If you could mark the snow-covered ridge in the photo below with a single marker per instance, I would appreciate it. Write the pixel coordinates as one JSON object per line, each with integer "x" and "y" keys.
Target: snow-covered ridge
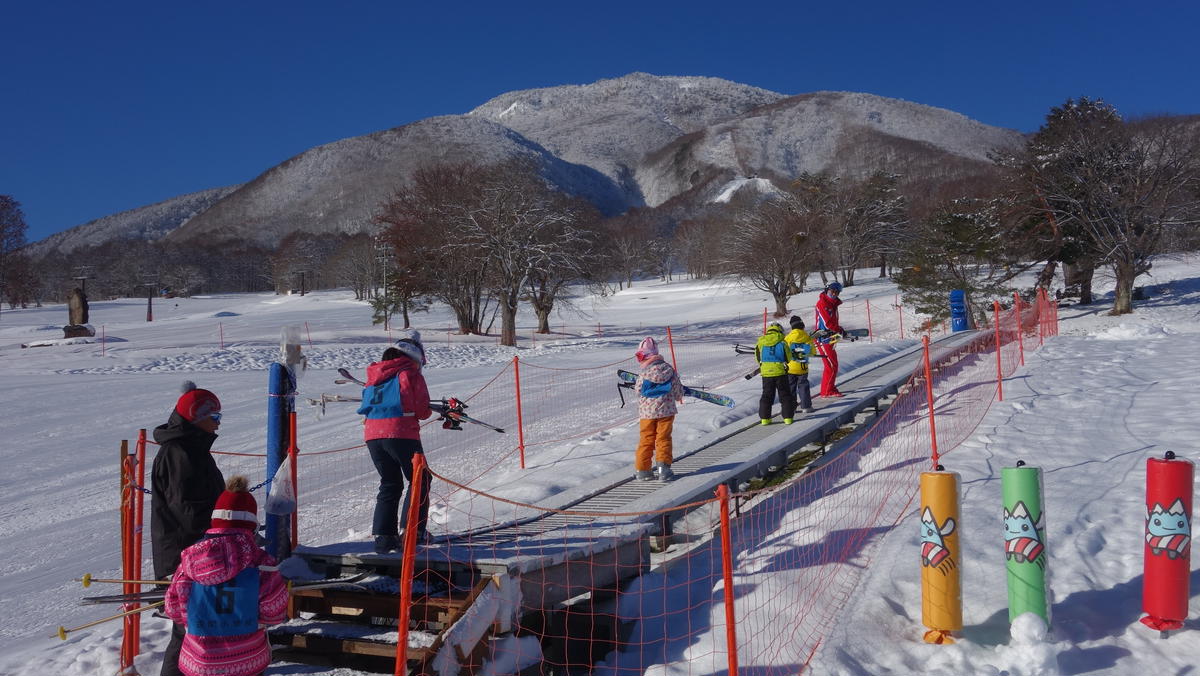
{"x": 635, "y": 140}
{"x": 146, "y": 223}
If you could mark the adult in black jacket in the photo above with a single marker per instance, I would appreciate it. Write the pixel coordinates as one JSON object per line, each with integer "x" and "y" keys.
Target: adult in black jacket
{"x": 185, "y": 484}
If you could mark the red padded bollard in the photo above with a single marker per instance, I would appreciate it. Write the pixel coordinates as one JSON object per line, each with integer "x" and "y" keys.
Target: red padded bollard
{"x": 1169, "y": 486}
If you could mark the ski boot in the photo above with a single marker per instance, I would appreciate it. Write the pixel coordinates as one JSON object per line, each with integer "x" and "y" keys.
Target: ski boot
{"x": 386, "y": 543}
{"x": 663, "y": 472}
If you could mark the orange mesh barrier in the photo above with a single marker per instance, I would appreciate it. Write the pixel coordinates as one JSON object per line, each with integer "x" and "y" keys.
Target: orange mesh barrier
{"x": 752, "y": 581}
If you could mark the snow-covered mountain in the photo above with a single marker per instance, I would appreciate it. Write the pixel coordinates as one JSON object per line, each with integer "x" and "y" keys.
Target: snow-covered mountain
{"x": 147, "y": 223}
{"x": 630, "y": 141}
{"x": 612, "y": 125}
{"x": 843, "y": 132}
{"x": 338, "y": 187}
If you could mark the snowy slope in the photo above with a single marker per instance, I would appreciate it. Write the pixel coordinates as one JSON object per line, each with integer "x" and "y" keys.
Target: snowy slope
{"x": 1089, "y": 408}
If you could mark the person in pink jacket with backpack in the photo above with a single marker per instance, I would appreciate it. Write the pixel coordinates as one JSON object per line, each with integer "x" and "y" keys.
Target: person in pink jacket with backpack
{"x": 225, "y": 590}
{"x": 395, "y": 400}
{"x": 659, "y": 390}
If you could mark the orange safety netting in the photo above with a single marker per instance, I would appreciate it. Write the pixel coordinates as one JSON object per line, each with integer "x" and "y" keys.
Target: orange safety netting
{"x": 752, "y": 581}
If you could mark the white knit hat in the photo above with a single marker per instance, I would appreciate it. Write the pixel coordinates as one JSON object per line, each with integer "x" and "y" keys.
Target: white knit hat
{"x": 409, "y": 342}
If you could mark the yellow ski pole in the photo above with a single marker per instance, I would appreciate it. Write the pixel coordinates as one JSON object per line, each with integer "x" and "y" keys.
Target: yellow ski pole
{"x": 63, "y": 631}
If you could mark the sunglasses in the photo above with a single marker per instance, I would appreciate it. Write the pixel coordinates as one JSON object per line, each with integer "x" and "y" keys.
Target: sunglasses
{"x": 216, "y": 417}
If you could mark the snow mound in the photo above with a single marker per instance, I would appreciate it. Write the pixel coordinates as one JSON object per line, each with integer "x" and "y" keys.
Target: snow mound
{"x": 1124, "y": 331}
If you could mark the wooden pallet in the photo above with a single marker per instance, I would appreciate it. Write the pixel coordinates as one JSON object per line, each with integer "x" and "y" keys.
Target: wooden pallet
{"x": 356, "y": 629}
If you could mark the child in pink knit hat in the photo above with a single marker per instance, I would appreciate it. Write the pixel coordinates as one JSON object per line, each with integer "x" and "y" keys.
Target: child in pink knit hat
{"x": 658, "y": 389}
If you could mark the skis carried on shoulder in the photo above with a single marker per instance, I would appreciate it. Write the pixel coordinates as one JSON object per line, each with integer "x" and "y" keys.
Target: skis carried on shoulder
{"x": 452, "y": 411}
{"x": 319, "y": 404}
{"x": 153, "y": 595}
{"x": 148, "y": 596}
{"x": 347, "y": 377}
{"x": 452, "y": 416}
{"x": 628, "y": 378}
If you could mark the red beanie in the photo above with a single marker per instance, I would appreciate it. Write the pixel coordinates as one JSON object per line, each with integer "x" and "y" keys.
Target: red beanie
{"x": 195, "y": 403}
{"x": 235, "y": 508}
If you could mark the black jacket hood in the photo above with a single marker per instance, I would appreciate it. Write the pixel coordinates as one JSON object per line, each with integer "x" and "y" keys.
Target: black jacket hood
{"x": 177, "y": 428}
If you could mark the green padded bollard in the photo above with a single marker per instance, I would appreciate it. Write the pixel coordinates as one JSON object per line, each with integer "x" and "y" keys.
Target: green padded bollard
{"x": 1024, "y": 541}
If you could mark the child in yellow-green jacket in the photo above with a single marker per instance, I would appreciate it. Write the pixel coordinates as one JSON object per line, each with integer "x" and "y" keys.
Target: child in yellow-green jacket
{"x": 774, "y": 359}
{"x": 802, "y": 345}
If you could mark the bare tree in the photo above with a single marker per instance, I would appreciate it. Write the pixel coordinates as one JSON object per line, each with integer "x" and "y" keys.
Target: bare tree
{"x": 1122, "y": 188}
{"x": 771, "y": 246}
{"x": 866, "y": 219}
{"x": 12, "y": 237}
{"x": 521, "y": 225}
{"x": 547, "y": 279}
{"x": 698, "y": 242}
{"x": 352, "y": 264}
{"x": 423, "y": 223}
{"x": 20, "y": 281}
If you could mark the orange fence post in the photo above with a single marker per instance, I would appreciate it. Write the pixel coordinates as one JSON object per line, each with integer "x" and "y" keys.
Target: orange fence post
{"x": 126, "y": 507}
{"x": 139, "y": 502}
{"x": 408, "y": 566}
{"x": 929, "y": 399}
{"x": 870, "y": 331}
{"x": 1041, "y": 315}
{"x": 671, "y": 343}
{"x": 999, "y": 366}
{"x": 727, "y": 575}
{"x": 520, "y": 419}
{"x": 764, "y": 321}
{"x": 293, "y": 453}
{"x": 221, "y": 331}
{"x": 1020, "y": 331}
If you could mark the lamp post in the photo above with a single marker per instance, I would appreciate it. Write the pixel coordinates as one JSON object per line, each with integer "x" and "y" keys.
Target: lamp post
{"x": 151, "y": 283}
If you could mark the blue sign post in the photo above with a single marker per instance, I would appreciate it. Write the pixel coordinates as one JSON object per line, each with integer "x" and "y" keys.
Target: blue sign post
{"x": 960, "y": 318}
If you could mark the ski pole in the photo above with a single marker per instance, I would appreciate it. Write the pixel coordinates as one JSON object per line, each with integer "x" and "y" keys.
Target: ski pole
{"x": 87, "y": 581}
{"x": 63, "y": 631}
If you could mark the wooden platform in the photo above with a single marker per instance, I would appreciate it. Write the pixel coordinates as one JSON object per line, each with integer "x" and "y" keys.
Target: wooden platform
{"x": 356, "y": 628}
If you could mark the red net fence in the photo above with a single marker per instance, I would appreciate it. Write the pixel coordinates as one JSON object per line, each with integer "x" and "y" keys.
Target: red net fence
{"x": 751, "y": 581}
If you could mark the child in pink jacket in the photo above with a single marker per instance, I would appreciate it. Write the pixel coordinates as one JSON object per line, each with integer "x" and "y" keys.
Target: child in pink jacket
{"x": 222, "y": 594}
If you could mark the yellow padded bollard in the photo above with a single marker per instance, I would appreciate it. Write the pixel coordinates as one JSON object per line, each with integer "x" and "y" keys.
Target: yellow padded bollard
{"x": 941, "y": 585}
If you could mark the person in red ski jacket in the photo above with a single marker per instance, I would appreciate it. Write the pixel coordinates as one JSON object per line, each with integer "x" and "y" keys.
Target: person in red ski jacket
{"x": 395, "y": 400}
{"x": 830, "y": 329}
{"x": 225, "y": 591}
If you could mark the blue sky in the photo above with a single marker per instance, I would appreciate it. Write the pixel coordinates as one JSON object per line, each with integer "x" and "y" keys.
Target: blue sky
{"x": 111, "y": 106}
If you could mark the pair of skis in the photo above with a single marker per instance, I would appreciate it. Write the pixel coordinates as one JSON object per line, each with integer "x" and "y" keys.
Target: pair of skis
{"x": 451, "y": 410}
{"x": 155, "y": 595}
{"x": 820, "y": 334}
{"x": 749, "y": 349}
{"x": 628, "y": 378}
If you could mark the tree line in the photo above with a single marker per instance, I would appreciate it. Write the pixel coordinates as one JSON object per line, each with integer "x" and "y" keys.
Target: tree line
{"x": 1088, "y": 191}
